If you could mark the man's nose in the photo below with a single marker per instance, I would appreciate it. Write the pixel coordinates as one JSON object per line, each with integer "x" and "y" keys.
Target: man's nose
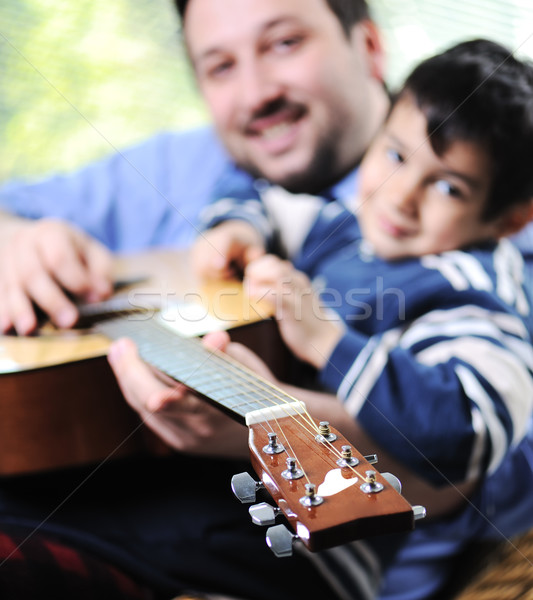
{"x": 258, "y": 87}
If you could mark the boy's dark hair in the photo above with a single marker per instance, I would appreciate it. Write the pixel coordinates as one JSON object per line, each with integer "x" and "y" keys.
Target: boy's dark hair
{"x": 349, "y": 12}
{"x": 478, "y": 91}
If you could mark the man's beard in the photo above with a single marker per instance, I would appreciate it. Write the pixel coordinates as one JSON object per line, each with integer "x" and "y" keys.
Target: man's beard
{"x": 323, "y": 170}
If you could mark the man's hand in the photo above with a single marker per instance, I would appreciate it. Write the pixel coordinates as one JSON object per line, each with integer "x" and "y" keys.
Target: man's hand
{"x": 178, "y": 417}
{"x": 224, "y": 251}
{"x": 47, "y": 264}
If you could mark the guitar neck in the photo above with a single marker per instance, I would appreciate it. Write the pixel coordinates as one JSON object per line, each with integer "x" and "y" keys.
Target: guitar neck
{"x": 211, "y": 374}
{"x": 348, "y": 505}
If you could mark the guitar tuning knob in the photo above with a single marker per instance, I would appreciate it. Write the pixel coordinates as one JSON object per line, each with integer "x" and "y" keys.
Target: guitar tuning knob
{"x": 245, "y": 487}
{"x": 393, "y": 481}
{"x": 263, "y": 513}
{"x": 292, "y": 471}
{"x": 311, "y": 498}
{"x": 280, "y": 540}
{"x": 273, "y": 446}
{"x": 419, "y": 512}
{"x": 324, "y": 433}
{"x": 371, "y": 459}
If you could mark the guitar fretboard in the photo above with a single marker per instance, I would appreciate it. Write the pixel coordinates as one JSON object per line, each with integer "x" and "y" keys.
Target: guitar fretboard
{"x": 212, "y": 374}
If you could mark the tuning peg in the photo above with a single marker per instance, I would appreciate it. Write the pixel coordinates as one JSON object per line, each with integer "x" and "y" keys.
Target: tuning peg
{"x": 419, "y": 512}
{"x": 280, "y": 540}
{"x": 394, "y": 481}
{"x": 245, "y": 487}
{"x": 324, "y": 433}
{"x": 273, "y": 446}
{"x": 371, "y": 459}
{"x": 292, "y": 471}
{"x": 371, "y": 485}
{"x": 347, "y": 459}
{"x": 311, "y": 498}
{"x": 263, "y": 513}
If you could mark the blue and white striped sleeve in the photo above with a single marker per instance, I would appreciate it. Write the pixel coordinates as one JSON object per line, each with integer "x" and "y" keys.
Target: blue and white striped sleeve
{"x": 250, "y": 210}
{"x": 238, "y": 196}
{"x": 450, "y": 390}
{"x": 448, "y": 396}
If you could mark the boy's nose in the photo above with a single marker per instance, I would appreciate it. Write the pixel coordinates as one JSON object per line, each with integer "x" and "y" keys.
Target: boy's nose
{"x": 405, "y": 191}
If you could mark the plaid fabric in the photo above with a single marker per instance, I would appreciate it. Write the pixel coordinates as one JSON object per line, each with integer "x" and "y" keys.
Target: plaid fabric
{"x": 44, "y": 567}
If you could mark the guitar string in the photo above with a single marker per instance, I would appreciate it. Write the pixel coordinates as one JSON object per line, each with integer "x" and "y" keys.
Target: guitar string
{"x": 280, "y": 395}
{"x": 254, "y": 382}
{"x": 251, "y": 380}
{"x": 119, "y": 320}
{"x": 254, "y": 401}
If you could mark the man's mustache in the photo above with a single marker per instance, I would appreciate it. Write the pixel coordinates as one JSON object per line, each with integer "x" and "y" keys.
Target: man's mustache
{"x": 294, "y": 109}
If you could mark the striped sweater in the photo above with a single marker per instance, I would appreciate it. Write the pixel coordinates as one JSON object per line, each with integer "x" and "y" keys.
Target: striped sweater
{"x": 436, "y": 362}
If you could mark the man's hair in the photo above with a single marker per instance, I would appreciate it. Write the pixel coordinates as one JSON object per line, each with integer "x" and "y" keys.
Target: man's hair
{"x": 349, "y": 12}
{"x": 477, "y": 91}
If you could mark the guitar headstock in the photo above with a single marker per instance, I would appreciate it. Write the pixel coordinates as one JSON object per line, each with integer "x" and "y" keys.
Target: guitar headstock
{"x": 329, "y": 493}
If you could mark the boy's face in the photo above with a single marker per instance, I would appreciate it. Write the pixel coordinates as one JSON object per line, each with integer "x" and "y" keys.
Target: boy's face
{"x": 291, "y": 96}
{"x": 413, "y": 202}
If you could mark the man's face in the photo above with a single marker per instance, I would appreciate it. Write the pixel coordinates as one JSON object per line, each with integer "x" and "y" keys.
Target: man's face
{"x": 413, "y": 202}
{"x": 290, "y": 95}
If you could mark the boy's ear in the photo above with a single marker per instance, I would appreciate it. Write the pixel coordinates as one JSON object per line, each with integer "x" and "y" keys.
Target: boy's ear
{"x": 517, "y": 218}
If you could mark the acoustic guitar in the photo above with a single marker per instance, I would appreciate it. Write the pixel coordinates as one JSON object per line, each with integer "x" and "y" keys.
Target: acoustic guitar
{"x": 60, "y": 405}
{"x": 329, "y": 493}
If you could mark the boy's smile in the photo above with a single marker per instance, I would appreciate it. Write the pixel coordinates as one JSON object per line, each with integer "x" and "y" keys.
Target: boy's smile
{"x": 412, "y": 201}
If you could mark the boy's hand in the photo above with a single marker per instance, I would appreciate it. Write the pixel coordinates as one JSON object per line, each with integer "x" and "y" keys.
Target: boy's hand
{"x": 45, "y": 264}
{"x": 310, "y": 330}
{"x": 224, "y": 251}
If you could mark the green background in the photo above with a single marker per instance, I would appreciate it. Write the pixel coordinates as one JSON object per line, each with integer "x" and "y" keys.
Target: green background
{"x": 81, "y": 78}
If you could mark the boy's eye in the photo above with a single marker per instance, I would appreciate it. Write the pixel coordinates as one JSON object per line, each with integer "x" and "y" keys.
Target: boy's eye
{"x": 394, "y": 156}
{"x": 448, "y": 189}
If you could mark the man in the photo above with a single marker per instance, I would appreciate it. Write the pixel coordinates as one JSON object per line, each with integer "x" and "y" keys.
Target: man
{"x": 290, "y": 127}
{"x": 279, "y": 76}
{"x": 307, "y": 70}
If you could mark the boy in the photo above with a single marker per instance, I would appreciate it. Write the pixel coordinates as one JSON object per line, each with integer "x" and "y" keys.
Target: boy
{"x": 432, "y": 351}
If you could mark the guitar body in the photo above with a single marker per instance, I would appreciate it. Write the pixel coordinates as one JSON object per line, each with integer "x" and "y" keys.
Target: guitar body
{"x": 63, "y": 415}
{"x": 60, "y": 404}
{"x": 70, "y": 411}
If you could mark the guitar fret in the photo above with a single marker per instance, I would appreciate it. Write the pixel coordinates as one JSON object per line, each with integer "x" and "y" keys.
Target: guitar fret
{"x": 187, "y": 361}
{"x": 250, "y": 406}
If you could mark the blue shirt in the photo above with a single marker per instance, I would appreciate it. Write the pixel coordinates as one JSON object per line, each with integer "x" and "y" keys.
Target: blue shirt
{"x": 148, "y": 195}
